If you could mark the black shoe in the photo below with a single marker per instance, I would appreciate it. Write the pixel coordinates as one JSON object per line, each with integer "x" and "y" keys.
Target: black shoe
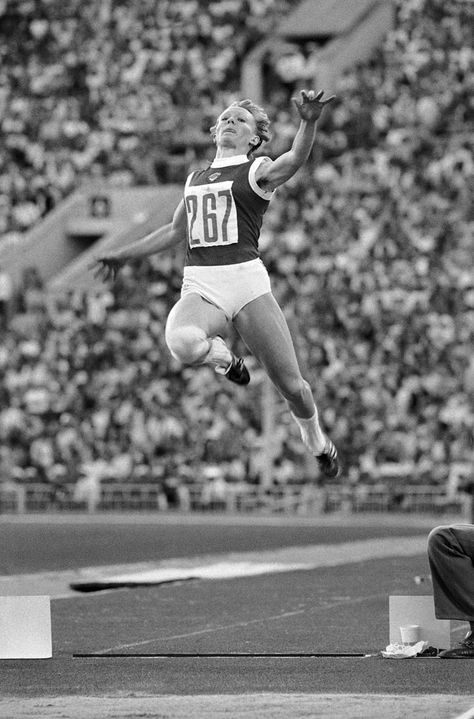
{"x": 464, "y": 650}
{"x": 328, "y": 461}
{"x": 237, "y": 371}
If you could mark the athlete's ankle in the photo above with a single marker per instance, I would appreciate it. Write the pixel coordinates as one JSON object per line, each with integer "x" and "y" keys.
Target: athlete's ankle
{"x": 311, "y": 433}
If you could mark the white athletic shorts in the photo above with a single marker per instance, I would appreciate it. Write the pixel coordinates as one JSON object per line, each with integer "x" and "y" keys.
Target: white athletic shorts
{"x": 229, "y": 287}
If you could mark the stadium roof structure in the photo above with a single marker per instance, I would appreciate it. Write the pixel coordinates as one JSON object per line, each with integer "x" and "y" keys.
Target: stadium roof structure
{"x": 323, "y": 18}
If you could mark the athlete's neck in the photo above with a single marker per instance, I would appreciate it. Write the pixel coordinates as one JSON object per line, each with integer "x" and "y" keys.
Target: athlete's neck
{"x": 229, "y": 151}
{"x": 231, "y": 160}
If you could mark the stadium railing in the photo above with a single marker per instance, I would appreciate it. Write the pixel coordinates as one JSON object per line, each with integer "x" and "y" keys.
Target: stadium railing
{"x": 301, "y": 499}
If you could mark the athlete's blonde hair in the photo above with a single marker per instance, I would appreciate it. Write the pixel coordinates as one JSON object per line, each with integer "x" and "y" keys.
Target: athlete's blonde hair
{"x": 262, "y": 122}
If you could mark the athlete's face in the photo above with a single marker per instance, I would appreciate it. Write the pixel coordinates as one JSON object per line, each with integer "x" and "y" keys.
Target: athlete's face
{"x": 236, "y": 129}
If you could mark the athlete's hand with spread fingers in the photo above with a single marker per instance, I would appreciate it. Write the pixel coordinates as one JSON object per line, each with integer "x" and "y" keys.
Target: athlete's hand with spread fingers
{"x": 312, "y": 104}
{"x": 107, "y": 267}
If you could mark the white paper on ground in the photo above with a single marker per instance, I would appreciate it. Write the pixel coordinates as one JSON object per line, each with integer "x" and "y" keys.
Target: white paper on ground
{"x": 404, "y": 651}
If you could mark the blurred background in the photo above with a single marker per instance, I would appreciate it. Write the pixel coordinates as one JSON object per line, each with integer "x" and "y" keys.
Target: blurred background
{"x": 105, "y": 106}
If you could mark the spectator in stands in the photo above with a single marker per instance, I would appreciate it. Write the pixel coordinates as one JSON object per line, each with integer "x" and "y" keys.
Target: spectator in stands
{"x": 87, "y": 489}
{"x": 31, "y": 293}
{"x": 6, "y": 468}
{"x": 6, "y": 298}
{"x": 451, "y": 558}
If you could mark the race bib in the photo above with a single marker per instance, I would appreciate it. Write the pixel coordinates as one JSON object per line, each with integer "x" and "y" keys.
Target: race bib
{"x": 212, "y": 215}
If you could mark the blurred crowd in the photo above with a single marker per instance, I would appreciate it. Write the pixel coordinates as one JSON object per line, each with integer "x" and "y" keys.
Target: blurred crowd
{"x": 112, "y": 88}
{"x": 369, "y": 248}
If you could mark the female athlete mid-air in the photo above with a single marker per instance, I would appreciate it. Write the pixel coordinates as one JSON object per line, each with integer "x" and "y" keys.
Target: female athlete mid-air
{"x": 224, "y": 279}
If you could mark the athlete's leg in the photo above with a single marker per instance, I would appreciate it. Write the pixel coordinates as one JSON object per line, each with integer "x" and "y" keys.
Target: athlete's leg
{"x": 264, "y": 329}
{"x": 191, "y": 327}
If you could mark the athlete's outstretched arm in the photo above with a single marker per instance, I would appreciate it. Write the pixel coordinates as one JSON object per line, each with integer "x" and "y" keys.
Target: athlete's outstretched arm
{"x": 107, "y": 266}
{"x": 271, "y": 174}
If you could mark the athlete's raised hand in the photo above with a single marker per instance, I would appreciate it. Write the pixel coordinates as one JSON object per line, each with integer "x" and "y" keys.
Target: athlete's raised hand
{"x": 311, "y": 104}
{"x": 107, "y": 267}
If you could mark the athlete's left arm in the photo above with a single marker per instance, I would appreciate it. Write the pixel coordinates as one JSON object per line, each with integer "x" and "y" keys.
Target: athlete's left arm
{"x": 272, "y": 173}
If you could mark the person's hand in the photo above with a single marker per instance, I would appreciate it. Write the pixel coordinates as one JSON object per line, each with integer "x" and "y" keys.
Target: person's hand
{"x": 107, "y": 267}
{"x": 311, "y": 104}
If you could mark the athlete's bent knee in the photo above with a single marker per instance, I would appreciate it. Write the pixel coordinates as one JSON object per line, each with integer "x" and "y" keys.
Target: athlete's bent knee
{"x": 188, "y": 345}
{"x": 438, "y": 538}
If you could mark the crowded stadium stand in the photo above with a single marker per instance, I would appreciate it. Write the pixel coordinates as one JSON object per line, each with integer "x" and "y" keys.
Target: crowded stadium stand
{"x": 369, "y": 248}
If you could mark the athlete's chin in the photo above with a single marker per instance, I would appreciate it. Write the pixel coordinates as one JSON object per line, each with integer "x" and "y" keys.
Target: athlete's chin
{"x": 228, "y": 141}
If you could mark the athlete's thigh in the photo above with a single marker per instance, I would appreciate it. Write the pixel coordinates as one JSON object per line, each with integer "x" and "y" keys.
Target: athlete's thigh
{"x": 263, "y": 328}
{"x": 194, "y": 311}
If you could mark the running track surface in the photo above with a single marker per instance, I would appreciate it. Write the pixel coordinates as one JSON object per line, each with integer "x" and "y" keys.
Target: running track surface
{"x": 323, "y": 610}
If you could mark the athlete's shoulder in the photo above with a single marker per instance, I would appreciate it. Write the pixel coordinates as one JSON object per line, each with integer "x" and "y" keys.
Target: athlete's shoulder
{"x": 261, "y": 164}
{"x": 262, "y": 159}
{"x": 256, "y": 173}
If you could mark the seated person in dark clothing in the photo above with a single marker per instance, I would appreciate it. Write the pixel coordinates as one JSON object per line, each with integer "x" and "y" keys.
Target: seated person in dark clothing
{"x": 451, "y": 558}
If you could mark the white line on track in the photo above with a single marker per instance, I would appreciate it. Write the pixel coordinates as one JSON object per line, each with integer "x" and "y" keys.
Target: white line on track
{"x": 209, "y": 630}
{"x": 224, "y": 627}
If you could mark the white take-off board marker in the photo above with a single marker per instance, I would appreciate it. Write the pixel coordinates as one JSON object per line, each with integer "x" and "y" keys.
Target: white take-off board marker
{"x": 25, "y": 627}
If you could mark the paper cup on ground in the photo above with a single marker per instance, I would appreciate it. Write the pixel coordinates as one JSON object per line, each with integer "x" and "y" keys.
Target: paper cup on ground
{"x": 410, "y": 634}
{"x": 25, "y": 627}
